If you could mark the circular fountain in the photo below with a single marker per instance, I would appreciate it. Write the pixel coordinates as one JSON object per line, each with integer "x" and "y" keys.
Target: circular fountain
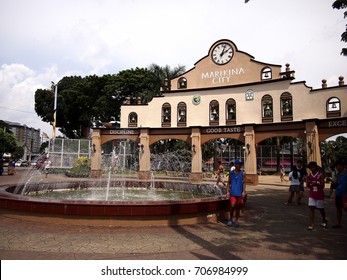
{"x": 115, "y": 199}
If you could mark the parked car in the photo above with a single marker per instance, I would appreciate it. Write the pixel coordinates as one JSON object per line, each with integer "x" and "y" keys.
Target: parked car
{"x": 22, "y": 163}
{"x": 25, "y": 163}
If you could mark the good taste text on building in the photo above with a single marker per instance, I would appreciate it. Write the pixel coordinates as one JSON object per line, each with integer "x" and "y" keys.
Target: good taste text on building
{"x": 222, "y": 130}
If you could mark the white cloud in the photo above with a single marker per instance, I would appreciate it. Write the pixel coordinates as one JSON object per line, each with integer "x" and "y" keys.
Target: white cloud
{"x": 44, "y": 40}
{"x": 18, "y": 84}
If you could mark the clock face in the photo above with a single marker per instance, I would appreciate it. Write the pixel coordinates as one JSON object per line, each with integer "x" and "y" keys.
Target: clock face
{"x": 222, "y": 53}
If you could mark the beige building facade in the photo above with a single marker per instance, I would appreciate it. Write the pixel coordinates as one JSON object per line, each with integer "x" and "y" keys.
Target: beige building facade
{"x": 229, "y": 94}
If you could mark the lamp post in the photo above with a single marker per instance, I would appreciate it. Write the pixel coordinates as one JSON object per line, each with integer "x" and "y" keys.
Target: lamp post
{"x": 55, "y": 88}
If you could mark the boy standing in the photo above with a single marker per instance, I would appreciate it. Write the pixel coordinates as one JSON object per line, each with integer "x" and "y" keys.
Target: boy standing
{"x": 236, "y": 192}
{"x": 315, "y": 183}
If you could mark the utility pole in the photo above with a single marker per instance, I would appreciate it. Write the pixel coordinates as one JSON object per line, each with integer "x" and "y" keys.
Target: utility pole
{"x": 55, "y": 90}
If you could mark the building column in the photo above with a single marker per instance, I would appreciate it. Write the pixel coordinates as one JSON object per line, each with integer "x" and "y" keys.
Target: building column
{"x": 312, "y": 143}
{"x": 95, "y": 171}
{"x": 196, "y": 172}
{"x": 144, "y": 156}
{"x": 250, "y": 156}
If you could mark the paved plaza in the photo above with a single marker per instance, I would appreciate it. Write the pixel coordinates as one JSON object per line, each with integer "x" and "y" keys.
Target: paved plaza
{"x": 269, "y": 230}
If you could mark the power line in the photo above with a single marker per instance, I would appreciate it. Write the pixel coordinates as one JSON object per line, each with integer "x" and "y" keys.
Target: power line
{"x": 17, "y": 110}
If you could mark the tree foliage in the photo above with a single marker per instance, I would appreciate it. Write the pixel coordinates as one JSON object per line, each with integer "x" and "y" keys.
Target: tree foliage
{"x": 81, "y": 101}
{"x": 334, "y": 150}
{"x": 7, "y": 142}
{"x": 342, "y": 4}
{"x": 166, "y": 72}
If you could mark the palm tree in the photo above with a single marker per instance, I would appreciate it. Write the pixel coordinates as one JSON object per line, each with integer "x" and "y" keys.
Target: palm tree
{"x": 166, "y": 72}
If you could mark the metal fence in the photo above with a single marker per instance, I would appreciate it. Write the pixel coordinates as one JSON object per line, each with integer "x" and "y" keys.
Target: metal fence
{"x": 64, "y": 152}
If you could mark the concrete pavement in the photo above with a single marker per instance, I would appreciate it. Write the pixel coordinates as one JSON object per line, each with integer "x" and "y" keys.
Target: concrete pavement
{"x": 269, "y": 230}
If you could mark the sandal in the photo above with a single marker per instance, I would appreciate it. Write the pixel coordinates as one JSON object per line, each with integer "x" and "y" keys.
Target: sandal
{"x": 324, "y": 224}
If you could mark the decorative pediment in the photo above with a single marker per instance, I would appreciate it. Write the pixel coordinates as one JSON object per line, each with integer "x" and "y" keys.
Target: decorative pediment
{"x": 225, "y": 65}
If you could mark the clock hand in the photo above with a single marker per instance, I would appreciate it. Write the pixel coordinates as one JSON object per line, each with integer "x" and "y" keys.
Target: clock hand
{"x": 223, "y": 51}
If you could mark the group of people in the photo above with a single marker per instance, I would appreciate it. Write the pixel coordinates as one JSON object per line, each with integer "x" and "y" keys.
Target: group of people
{"x": 11, "y": 168}
{"x": 315, "y": 183}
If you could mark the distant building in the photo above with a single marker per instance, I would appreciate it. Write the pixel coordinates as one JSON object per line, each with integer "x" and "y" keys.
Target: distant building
{"x": 27, "y": 137}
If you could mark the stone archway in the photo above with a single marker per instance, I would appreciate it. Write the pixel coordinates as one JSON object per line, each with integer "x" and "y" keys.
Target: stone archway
{"x": 312, "y": 131}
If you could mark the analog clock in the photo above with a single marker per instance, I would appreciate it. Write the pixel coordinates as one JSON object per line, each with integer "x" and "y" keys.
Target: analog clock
{"x": 222, "y": 53}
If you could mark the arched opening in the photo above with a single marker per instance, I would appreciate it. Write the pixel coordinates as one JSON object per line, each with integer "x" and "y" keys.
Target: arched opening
{"x": 214, "y": 112}
{"x": 267, "y": 108}
{"x": 230, "y": 111}
{"x": 332, "y": 149}
{"x": 266, "y": 73}
{"x": 333, "y": 107}
{"x": 132, "y": 120}
{"x": 166, "y": 115}
{"x": 221, "y": 150}
{"x": 181, "y": 114}
{"x": 120, "y": 156}
{"x": 286, "y": 107}
{"x": 171, "y": 157}
{"x": 182, "y": 83}
{"x": 281, "y": 150}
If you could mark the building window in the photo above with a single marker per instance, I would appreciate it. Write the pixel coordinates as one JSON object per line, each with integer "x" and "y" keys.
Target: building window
{"x": 286, "y": 107}
{"x": 333, "y": 107}
{"x": 267, "y": 108}
{"x": 132, "y": 120}
{"x": 214, "y": 112}
{"x": 266, "y": 73}
{"x": 166, "y": 115}
{"x": 182, "y": 83}
{"x": 230, "y": 111}
{"x": 181, "y": 114}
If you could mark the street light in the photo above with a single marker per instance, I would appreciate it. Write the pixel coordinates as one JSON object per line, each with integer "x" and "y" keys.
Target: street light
{"x": 55, "y": 88}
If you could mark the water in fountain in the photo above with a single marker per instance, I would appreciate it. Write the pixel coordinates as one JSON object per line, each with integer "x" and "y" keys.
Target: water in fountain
{"x": 32, "y": 176}
{"x": 169, "y": 179}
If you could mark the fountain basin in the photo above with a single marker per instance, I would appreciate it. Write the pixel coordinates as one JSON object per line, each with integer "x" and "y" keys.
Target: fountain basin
{"x": 117, "y": 213}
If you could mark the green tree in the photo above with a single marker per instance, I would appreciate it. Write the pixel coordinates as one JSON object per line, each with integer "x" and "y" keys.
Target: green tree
{"x": 133, "y": 83}
{"x": 18, "y": 152}
{"x": 166, "y": 72}
{"x": 79, "y": 101}
{"x": 333, "y": 150}
{"x": 43, "y": 147}
{"x": 7, "y": 142}
{"x": 83, "y": 101}
{"x": 342, "y": 4}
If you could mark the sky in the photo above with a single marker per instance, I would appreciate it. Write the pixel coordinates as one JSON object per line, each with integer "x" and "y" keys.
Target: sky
{"x": 45, "y": 40}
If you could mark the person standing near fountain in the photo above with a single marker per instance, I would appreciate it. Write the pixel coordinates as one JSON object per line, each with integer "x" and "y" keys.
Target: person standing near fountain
{"x": 220, "y": 175}
{"x": 47, "y": 165}
{"x": 236, "y": 191}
